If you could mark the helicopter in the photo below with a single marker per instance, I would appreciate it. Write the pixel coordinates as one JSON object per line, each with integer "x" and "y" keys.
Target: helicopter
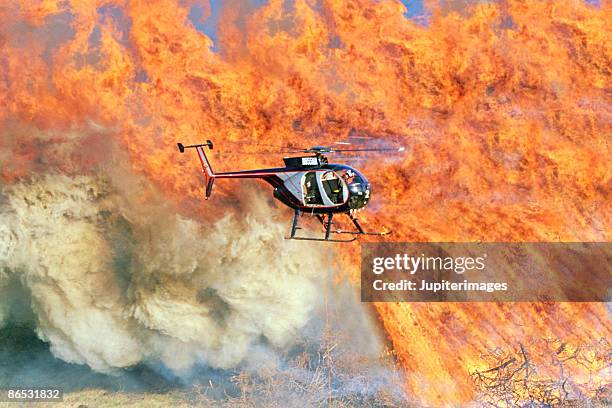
{"x": 309, "y": 185}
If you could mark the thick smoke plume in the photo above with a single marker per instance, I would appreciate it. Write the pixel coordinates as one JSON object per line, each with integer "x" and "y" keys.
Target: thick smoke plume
{"x": 114, "y": 282}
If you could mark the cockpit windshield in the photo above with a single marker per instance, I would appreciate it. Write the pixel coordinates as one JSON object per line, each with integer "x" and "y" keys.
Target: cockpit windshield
{"x": 351, "y": 177}
{"x": 358, "y": 186}
{"x": 332, "y": 186}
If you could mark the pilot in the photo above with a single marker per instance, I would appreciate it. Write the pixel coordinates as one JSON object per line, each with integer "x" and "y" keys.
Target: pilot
{"x": 309, "y": 192}
{"x": 310, "y": 184}
{"x": 335, "y": 187}
{"x": 349, "y": 176}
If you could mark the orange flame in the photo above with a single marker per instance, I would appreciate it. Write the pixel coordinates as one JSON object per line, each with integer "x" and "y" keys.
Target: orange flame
{"x": 504, "y": 108}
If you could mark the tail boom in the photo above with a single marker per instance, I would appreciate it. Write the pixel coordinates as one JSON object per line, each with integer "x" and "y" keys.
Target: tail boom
{"x": 271, "y": 176}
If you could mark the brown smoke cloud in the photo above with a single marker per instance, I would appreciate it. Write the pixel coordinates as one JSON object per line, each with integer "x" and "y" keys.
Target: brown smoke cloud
{"x": 115, "y": 281}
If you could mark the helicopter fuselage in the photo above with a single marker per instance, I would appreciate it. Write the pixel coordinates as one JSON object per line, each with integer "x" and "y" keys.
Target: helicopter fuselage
{"x": 316, "y": 189}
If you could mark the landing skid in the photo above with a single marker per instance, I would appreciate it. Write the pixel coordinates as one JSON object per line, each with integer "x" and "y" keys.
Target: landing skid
{"x": 380, "y": 234}
{"x": 359, "y": 228}
{"x": 326, "y": 222}
{"x": 321, "y": 239}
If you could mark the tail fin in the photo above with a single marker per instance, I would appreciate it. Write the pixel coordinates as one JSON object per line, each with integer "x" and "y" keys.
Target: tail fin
{"x": 209, "y": 174}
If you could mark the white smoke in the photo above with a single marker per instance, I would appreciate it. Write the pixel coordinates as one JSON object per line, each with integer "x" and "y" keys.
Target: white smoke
{"x": 115, "y": 281}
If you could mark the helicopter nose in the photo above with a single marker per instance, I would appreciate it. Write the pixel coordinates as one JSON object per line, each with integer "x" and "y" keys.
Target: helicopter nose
{"x": 360, "y": 195}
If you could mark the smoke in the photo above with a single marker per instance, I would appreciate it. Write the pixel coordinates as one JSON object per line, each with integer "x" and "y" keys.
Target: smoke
{"x": 113, "y": 282}
{"x": 111, "y": 275}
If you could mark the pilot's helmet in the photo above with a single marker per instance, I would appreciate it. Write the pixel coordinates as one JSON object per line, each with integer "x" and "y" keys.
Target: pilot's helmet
{"x": 349, "y": 174}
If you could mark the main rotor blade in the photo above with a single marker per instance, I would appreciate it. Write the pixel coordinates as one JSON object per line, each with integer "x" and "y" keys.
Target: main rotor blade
{"x": 260, "y": 153}
{"x": 278, "y": 149}
{"x": 382, "y": 149}
{"x": 269, "y": 148}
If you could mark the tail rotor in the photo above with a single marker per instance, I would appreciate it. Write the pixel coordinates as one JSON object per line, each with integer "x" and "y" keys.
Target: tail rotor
{"x": 209, "y": 174}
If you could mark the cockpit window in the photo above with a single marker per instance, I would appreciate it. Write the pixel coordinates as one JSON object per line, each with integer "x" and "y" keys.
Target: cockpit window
{"x": 350, "y": 176}
{"x": 312, "y": 195}
{"x": 358, "y": 187}
{"x": 332, "y": 186}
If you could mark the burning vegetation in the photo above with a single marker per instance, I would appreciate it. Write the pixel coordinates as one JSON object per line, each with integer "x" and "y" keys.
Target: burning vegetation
{"x": 523, "y": 379}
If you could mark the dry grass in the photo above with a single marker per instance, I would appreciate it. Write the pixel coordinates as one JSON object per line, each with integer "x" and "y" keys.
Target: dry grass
{"x": 323, "y": 377}
{"x": 548, "y": 373}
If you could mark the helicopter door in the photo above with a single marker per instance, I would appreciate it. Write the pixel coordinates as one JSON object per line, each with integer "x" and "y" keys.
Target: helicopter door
{"x": 310, "y": 188}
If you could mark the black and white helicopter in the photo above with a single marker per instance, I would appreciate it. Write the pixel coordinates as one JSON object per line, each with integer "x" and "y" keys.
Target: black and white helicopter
{"x": 309, "y": 185}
